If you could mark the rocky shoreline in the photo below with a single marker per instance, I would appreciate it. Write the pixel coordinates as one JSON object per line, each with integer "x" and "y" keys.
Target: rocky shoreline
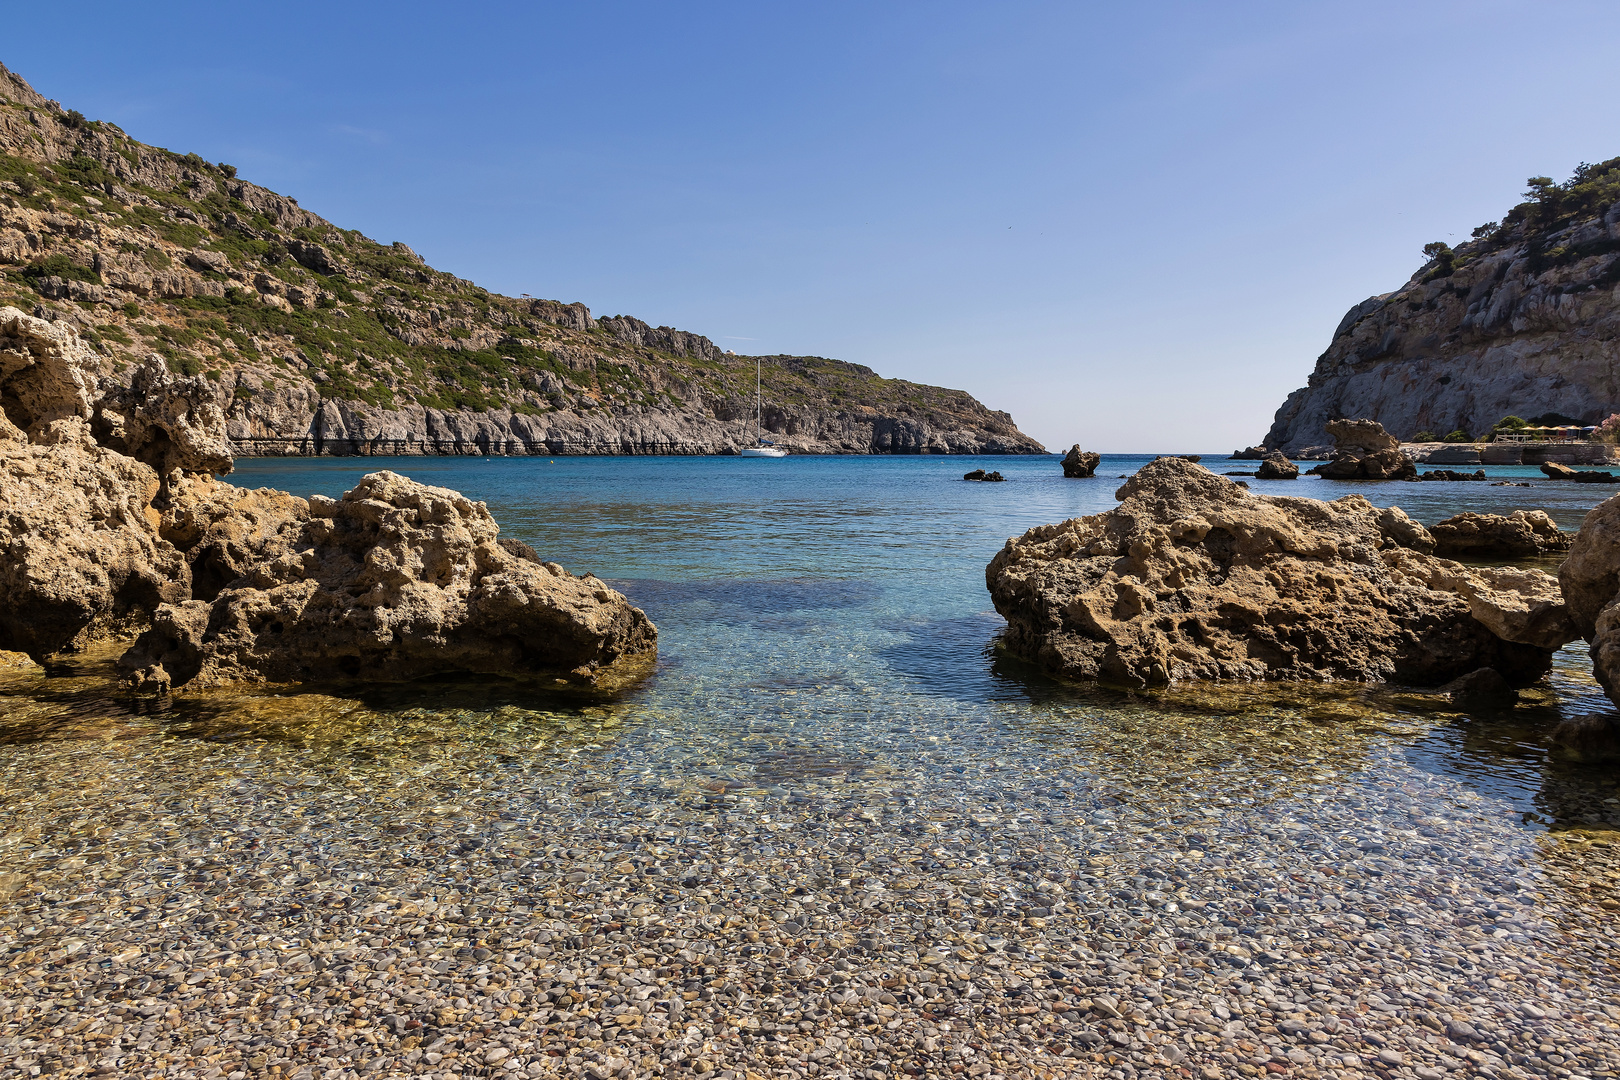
{"x": 113, "y": 524}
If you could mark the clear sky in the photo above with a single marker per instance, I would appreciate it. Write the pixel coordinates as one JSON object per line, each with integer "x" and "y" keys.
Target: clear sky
{"x": 1130, "y": 225}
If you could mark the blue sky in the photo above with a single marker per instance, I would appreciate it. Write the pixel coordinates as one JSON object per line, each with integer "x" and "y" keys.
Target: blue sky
{"x": 1131, "y": 226}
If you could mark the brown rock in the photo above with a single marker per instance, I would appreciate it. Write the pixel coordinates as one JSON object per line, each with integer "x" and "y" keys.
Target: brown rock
{"x": 1557, "y": 471}
{"x": 1491, "y": 536}
{"x": 1276, "y": 467}
{"x": 1366, "y": 435}
{"x": 1484, "y": 688}
{"x": 1078, "y": 463}
{"x": 80, "y": 555}
{"x": 1192, "y": 577}
{"x": 47, "y": 375}
{"x": 1592, "y": 738}
{"x": 171, "y": 422}
{"x": 224, "y": 531}
{"x": 1253, "y": 453}
{"x": 395, "y": 581}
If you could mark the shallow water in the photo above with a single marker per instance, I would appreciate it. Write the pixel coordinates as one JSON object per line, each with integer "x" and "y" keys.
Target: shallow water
{"x": 828, "y": 705}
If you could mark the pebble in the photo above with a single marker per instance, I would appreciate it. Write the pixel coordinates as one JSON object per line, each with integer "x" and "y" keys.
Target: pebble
{"x": 1259, "y": 882}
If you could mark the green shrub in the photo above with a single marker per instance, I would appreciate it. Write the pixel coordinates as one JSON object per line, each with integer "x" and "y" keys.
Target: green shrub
{"x": 58, "y": 265}
{"x": 132, "y": 310}
{"x": 1422, "y": 436}
{"x": 1458, "y": 436}
{"x": 1510, "y": 423}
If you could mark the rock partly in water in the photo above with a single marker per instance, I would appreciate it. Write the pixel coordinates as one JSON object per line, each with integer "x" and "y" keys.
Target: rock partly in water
{"x": 1192, "y": 577}
{"x": 395, "y": 581}
{"x": 1365, "y": 451}
{"x": 1593, "y": 738}
{"x": 981, "y": 475}
{"x": 1078, "y": 463}
{"x": 1275, "y": 466}
{"x": 1518, "y": 535}
{"x": 1590, "y": 579}
{"x": 1450, "y": 475}
{"x": 1557, "y": 471}
{"x": 1253, "y": 453}
{"x": 1485, "y": 688}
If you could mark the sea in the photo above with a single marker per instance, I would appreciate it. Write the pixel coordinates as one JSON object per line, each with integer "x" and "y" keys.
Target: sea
{"x": 834, "y": 761}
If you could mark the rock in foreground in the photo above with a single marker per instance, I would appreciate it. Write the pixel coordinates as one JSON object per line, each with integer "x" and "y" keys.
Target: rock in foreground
{"x": 1079, "y": 464}
{"x": 1194, "y": 577}
{"x": 395, "y": 581}
{"x": 1518, "y": 535}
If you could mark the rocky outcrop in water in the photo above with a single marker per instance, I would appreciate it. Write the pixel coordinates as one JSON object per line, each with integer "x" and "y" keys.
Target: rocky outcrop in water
{"x": 1078, "y": 463}
{"x": 1365, "y": 451}
{"x": 1521, "y": 534}
{"x": 393, "y": 582}
{"x": 1193, "y": 577}
{"x": 1524, "y": 320}
{"x": 1276, "y": 467}
{"x": 317, "y": 340}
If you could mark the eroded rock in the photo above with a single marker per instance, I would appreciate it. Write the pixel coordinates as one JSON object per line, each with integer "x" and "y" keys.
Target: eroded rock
{"x": 171, "y": 422}
{"x": 1276, "y": 466}
{"x": 1365, "y": 451}
{"x": 1078, "y": 463}
{"x": 395, "y": 581}
{"x": 1520, "y": 534}
{"x": 1193, "y": 577}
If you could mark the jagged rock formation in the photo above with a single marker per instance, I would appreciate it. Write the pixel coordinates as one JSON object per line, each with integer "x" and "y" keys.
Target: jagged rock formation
{"x": 1365, "y": 451}
{"x": 395, "y": 581}
{"x": 1193, "y": 577}
{"x": 1518, "y": 535}
{"x": 1078, "y": 463}
{"x": 315, "y": 339}
{"x": 1523, "y": 320}
{"x": 1276, "y": 466}
{"x": 81, "y": 559}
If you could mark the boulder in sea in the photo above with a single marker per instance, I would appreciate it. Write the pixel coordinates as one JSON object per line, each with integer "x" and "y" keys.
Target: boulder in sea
{"x": 1275, "y": 466}
{"x": 1078, "y": 463}
{"x": 392, "y": 582}
{"x": 1365, "y": 451}
{"x": 1556, "y": 471}
{"x": 1253, "y": 453}
{"x": 986, "y": 477}
{"x": 1518, "y": 535}
{"x": 1193, "y": 577}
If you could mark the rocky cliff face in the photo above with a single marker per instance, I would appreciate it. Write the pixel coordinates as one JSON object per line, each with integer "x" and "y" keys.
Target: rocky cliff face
{"x": 1523, "y": 320}
{"x": 316, "y": 339}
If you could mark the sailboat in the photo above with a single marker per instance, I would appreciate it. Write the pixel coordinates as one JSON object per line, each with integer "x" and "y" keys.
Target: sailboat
{"x": 762, "y": 447}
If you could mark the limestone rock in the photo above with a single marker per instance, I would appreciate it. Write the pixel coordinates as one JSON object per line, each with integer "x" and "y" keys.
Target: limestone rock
{"x": 80, "y": 555}
{"x": 1253, "y": 453}
{"x": 1484, "y": 688}
{"x": 222, "y": 531}
{"x": 1276, "y": 467}
{"x": 1506, "y": 329}
{"x": 47, "y": 374}
{"x": 1078, "y": 463}
{"x": 168, "y": 421}
{"x": 1365, "y": 451}
{"x": 1590, "y": 579}
{"x": 1557, "y": 471}
{"x": 1193, "y": 577}
{"x": 1366, "y": 435}
{"x": 395, "y": 581}
{"x": 1517, "y": 535}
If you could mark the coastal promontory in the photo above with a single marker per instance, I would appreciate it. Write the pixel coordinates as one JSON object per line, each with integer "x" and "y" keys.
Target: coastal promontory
{"x": 315, "y": 339}
{"x": 1522, "y": 320}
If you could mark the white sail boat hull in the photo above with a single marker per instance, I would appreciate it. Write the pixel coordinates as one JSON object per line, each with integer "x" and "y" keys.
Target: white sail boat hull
{"x": 761, "y": 447}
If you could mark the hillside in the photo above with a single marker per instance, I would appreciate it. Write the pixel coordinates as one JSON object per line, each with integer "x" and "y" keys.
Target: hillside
{"x": 1522, "y": 320}
{"x": 321, "y": 340}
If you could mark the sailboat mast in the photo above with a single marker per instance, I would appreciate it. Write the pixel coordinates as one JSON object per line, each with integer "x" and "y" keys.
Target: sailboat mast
{"x": 759, "y": 389}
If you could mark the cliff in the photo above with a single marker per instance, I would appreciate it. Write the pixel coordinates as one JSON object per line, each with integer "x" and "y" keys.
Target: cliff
{"x": 317, "y": 339}
{"x": 1522, "y": 320}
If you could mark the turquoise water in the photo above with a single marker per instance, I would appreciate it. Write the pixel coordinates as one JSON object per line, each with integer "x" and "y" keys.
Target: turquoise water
{"x": 813, "y": 594}
{"x": 830, "y": 764}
